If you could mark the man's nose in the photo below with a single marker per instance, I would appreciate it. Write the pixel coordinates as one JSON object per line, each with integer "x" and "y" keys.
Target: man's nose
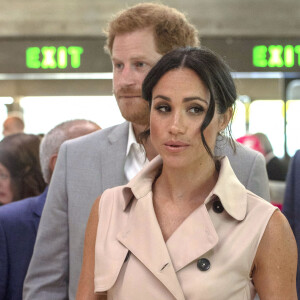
{"x": 127, "y": 77}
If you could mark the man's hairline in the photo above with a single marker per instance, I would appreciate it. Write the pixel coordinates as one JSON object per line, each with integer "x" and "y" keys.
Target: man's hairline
{"x": 150, "y": 28}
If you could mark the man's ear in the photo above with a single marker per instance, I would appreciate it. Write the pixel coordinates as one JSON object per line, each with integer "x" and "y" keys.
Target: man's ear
{"x": 52, "y": 162}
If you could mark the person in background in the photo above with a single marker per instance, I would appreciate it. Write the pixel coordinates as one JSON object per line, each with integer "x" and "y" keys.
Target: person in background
{"x": 20, "y": 171}
{"x": 136, "y": 39}
{"x": 13, "y": 124}
{"x": 19, "y": 221}
{"x": 276, "y": 168}
{"x": 291, "y": 204}
{"x": 185, "y": 224}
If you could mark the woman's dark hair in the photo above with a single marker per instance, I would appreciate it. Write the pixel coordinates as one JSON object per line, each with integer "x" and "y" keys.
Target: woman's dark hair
{"x": 210, "y": 68}
{"x": 19, "y": 153}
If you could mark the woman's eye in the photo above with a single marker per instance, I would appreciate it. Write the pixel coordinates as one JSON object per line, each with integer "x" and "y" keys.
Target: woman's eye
{"x": 196, "y": 109}
{"x": 162, "y": 108}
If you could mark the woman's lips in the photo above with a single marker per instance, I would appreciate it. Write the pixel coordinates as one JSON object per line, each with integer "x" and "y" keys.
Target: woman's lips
{"x": 176, "y": 146}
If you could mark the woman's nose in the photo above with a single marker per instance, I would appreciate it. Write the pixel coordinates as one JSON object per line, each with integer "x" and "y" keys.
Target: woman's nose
{"x": 177, "y": 124}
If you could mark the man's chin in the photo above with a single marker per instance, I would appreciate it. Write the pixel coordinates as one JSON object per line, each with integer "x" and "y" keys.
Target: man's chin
{"x": 137, "y": 120}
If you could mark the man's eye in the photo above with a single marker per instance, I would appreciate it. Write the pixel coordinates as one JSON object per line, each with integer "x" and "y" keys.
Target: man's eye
{"x": 140, "y": 64}
{"x": 118, "y": 66}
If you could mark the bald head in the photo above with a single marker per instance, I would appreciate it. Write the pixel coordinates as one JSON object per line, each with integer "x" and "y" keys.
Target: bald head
{"x": 12, "y": 125}
{"x": 55, "y": 137}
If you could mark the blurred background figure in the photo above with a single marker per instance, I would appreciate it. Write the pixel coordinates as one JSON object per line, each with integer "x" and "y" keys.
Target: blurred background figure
{"x": 276, "y": 167}
{"x": 19, "y": 221}
{"x": 13, "y": 124}
{"x": 20, "y": 171}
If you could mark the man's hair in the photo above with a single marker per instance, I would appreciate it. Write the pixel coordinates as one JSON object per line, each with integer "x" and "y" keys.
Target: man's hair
{"x": 13, "y": 124}
{"x": 170, "y": 27}
{"x": 265, "y": 143}
{"x": 52, "y": 141}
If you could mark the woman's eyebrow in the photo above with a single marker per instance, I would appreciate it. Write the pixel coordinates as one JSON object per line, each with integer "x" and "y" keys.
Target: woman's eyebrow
{"x": 187, "y": 99}
{"x": 162, "y": 97}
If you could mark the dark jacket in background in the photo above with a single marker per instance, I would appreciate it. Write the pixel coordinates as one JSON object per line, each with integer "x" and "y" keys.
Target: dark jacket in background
{"x": 19, "y": 222}
{"x": 291, "y": 204}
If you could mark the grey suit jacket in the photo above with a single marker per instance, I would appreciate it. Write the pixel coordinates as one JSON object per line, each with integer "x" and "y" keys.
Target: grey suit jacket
{"x": 85, "y": 168}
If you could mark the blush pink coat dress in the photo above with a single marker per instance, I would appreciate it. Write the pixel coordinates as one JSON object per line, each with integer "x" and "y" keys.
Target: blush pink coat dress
{"x": 208, "y": 257}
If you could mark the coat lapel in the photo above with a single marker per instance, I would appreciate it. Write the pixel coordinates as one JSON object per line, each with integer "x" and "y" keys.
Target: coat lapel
{"x": 192, "y": 239}
{"x": 37, "y": 207}
{"x": 113, "y": 157}
{"x": 143, "y": 238}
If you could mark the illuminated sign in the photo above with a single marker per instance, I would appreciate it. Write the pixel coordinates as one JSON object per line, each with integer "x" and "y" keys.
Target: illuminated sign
{"x": 53, "y": 57}
{"x": 250, "y": 54}
{"x": 276, "y": 56}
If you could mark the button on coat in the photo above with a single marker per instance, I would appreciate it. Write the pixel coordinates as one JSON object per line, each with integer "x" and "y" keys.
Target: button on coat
{"x": 203, "y": 264}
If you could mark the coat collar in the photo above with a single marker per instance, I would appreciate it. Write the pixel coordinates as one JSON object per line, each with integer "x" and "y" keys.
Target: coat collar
{"x": 143, "y": 238}
{"x": 228, "y": 188}
{"x": 142, "y": 235}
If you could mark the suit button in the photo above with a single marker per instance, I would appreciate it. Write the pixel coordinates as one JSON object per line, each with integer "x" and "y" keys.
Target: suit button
{"x": 203, "y": 264}
{"x": 218, "y": 207}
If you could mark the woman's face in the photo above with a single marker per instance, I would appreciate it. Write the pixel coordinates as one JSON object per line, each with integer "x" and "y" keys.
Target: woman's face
{"x": 180, "y": 101}
{"x": 6, "y": 194}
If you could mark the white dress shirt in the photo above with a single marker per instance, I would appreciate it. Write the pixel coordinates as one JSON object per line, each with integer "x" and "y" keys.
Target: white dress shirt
{"x": 135, "y": 156}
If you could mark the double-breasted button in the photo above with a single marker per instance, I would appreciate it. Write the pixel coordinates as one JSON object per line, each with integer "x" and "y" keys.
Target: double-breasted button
{"x": 218, "y": 207}
{"x": 203, "y": 264}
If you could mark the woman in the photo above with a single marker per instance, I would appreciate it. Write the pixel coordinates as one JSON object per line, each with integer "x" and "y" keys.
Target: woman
{"x": 185, "y": 227}
{"x": 20, "y": 171}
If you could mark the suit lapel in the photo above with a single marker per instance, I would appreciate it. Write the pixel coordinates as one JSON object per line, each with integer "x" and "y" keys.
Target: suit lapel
{"x": 143, "y": 238}
{"x": 113, "y": 157}
{"x": 38, "y": 204}
{"x": 37, "y": 207}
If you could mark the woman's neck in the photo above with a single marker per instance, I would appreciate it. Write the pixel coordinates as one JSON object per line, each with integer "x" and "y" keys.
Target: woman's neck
{"x": 187, "y": 184}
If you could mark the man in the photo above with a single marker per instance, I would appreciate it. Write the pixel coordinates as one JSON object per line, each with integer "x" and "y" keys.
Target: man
{"x": 19, "y": 221}
{"x": 136, "y": 39}
{"x": 291, "y": 204}
{"x": 13, "y": 124}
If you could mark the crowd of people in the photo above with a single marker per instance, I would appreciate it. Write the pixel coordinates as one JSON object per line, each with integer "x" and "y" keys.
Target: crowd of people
{"x": 164, "y": 206}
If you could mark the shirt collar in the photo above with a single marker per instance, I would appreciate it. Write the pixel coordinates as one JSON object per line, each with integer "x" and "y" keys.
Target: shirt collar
{"x": 131, "y": 138}
{"x": 229, "y": 190}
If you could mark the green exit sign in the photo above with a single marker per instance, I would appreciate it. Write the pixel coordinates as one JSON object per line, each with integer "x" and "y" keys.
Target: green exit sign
{"x": 50, "y": 57}
{"x": 276, "y": 56}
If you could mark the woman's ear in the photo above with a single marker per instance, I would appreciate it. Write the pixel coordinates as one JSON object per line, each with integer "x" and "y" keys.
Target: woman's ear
{"x": 225, "y": 118}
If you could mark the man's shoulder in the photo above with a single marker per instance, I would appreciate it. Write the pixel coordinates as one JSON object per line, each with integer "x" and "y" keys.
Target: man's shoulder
{"x": 17, "y": 211}
{"x": 296, "y": 158}
{"x": 100, "y": 137}
{"x": 236, "y": 150}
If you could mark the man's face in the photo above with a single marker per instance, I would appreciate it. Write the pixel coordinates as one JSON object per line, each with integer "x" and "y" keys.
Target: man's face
{"x": 133, "y": 55}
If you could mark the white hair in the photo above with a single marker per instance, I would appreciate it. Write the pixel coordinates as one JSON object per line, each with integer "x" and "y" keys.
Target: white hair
{"x": 52, "y": 141}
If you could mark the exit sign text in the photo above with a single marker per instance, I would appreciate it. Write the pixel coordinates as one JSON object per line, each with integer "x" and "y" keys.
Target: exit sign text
{"x": 276, "y": 56}
{"x": 53, "y": 57}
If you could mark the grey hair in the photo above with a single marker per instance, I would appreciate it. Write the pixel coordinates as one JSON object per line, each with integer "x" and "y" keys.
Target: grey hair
{"x": 265, "y": 142}
{"x": 52, "y": 141}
